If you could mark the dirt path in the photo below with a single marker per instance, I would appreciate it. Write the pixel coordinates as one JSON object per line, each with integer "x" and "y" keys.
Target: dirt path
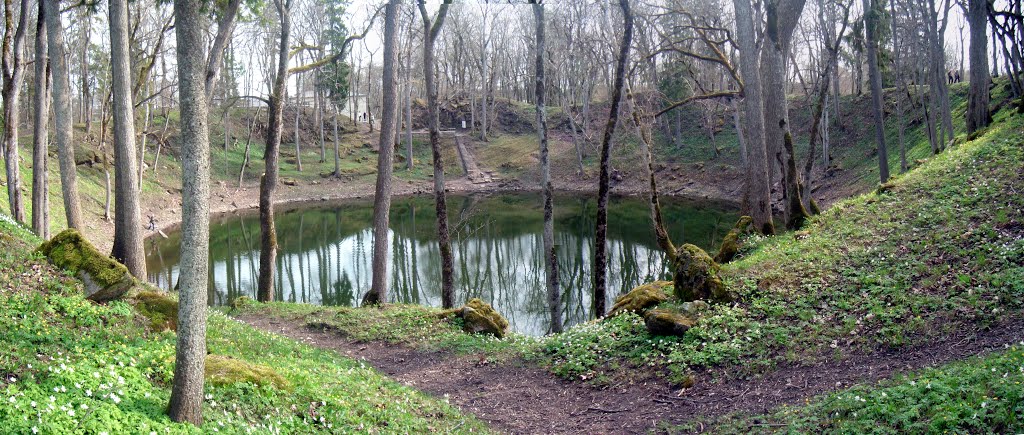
{"x": 518, "y": 398}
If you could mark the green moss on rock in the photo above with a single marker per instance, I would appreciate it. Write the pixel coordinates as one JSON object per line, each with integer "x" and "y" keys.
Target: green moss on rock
{"x": 641, "y": 298}
{"x": 159, "y": 308}
{"x": 241, "y": 302}
{"x": 665, "y": 322}
{"x": 225, "y": 370}
{"x": 479, "y": 317}
{"x": 105, "y": 279}
{"x": 696, "y": 276}
{"x": 731, "y": 242}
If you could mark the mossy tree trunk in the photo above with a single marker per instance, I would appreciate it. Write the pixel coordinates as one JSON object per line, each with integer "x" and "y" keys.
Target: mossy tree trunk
{"x": 604, "y": 185}
{"x": 871, "y": 11}
{"x": 977, "y": 103}
{"x": 431, "y": 31}
{"x": 186, "y": 402}
{"x": 268, "y": 183}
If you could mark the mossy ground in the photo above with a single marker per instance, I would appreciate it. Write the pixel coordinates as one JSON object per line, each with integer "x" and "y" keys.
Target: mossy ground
{"x": 72, "y": 366}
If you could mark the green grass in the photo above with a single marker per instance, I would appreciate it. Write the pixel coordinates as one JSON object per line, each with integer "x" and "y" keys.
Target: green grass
{"x": 71, "y": 366}
{"x": 979, "y": 395}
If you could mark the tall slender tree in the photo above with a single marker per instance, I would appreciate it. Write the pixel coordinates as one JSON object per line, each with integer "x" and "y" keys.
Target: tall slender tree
{"x": 62, "y": 117}
{"x": 186, "y": 403}
{"x": 127, "y": 215}
{"x": 40, "y": 136}
{"x": 13, "y": 69}
{"x": 550, "y": 257}
{"x": 871, "y": 22}
{"x": 431, "y": 32}
{"x": 604, "y": 185}
{"x": 385, "y": 161}
{"x": 268, "y": 184}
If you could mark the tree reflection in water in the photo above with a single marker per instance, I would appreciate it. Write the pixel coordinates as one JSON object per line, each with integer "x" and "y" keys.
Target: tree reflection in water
{"x": 496, "y": 239}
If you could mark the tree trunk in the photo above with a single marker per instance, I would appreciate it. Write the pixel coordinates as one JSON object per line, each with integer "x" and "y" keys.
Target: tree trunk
{"x": 337, "y": 146}
{"x": 186, "y": 404}
{"x": 40, "y": 136}
{"x": 268, "y": 183}
{"x": 225, "y": 27}
{"x": 86, "y": 88}
{"x": 600, "y": 239}
{"x": 977, "y": 103}
{"x": 298, "y": 112}
{"x": 248, "y": 147}
{"x": 385, "y": 162}
{"x": 13, "y": 72}
{"x": 128, "y": 247}
{"x": 550, "y": 257}
{"x": 408, "y": 108}
{"x": 430, "y": 32}
{"x": 871, "y": 12}
{"x": 757, "y": 196}
{"x": 62, "y": 115}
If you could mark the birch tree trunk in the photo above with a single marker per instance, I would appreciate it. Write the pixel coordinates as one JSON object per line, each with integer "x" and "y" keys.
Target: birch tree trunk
{"x": 127, "y": 220}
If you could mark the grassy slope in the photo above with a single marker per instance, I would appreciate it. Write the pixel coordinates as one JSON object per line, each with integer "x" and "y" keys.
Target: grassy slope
{"x": 938, "y": 253}
{"x": 72, "y": 366}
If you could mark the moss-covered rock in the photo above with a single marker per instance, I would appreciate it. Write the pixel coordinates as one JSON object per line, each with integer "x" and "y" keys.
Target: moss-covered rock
{"x": 159, "y": 308}
{"x": 479, "y": 317}
{"x": 641, "y": 298}
{"x": 731, "y": 242}
{"x": 241, "y": 302}
{"x": 696, "y": 276}
{"x": 105, "y": 279}
{"x": 665, "y": 322}
{"x": 225, "y": 370}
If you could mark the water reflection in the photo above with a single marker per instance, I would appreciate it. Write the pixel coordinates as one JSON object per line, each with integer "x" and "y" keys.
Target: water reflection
{"x": 325, "y": 252}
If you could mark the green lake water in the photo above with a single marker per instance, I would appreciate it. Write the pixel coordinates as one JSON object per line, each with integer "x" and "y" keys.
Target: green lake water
{"x": 325, "y": 252}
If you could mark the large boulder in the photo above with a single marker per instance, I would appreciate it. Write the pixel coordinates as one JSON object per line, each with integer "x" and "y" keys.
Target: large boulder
{"x": 478, "y": 317}
{"x": 105, "y": 279}
{"x": 731, "y": 241}
{"x": 641, "y": 298}
{"x": 665, "y": 322}
{"x": 696, "y": 276}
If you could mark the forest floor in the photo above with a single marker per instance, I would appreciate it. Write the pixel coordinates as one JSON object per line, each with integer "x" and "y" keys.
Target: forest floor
{"x": 518, "y": 396}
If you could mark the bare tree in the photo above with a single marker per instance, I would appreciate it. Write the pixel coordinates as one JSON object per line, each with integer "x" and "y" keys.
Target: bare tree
{"x": 430, "y": 34}
{"x": 186, "y": 404}
{"x": 13, "y": 66}
{"x": 871, "y": 19}
{"x": 40, "y": 139}
{"x": 550, "y": 259}
{"x": 62, "y": 116}
{"x": 268, "y": 183}
{"x": 600, "y": 239}
{"x": 977, "y": 103}
{"x": 385, "y": 161}
{"x": 127, "y": 216}
{"x": 756, "y": 197}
